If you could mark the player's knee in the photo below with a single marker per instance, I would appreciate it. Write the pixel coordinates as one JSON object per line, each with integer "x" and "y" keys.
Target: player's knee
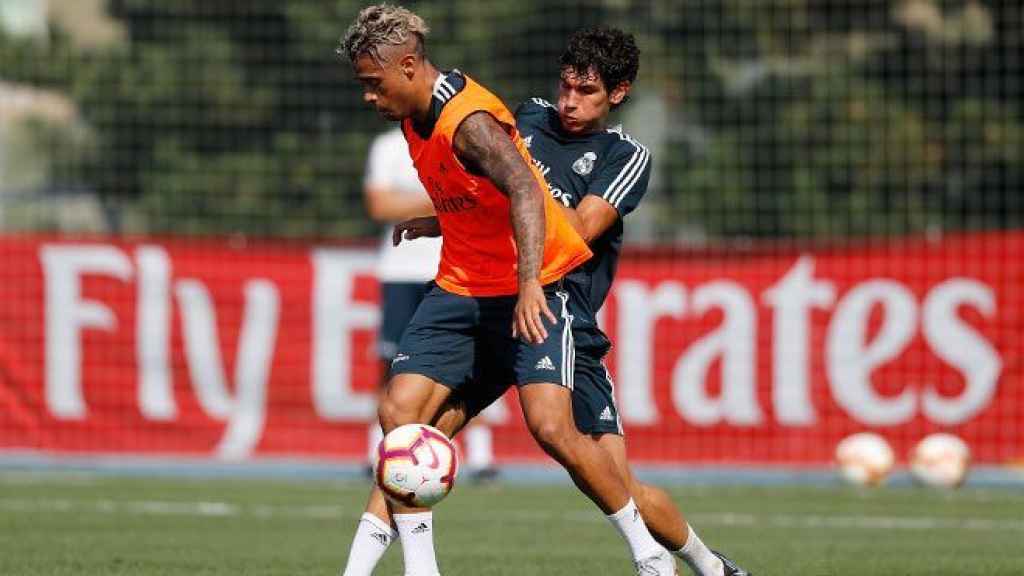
{"x": 392, "y": 414}
{"x": 553, "y": 437}
{"x": 385, "y": 415}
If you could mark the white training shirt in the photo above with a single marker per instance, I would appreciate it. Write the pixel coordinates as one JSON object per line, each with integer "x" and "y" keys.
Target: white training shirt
{"x": 390, "y": 166}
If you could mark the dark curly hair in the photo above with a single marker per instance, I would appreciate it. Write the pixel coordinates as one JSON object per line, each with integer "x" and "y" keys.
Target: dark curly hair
{"x": 610, "y": 52}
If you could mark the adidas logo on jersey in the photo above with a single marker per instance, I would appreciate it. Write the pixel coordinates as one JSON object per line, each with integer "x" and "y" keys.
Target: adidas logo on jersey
{"x": 421, "y": 528}
{"x": 528, "y": 140}
{"x": 544, "y": 363}
{"x": 606, "y": 414}
{"x": 381, "y": 538}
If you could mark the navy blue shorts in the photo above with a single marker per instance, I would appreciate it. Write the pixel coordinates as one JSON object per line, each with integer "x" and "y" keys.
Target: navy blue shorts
{"x": 452, "y": 339}
{"x": 399, "y": 301}
{"x": 593, "y": 390}
{"x": 593, "y": 396}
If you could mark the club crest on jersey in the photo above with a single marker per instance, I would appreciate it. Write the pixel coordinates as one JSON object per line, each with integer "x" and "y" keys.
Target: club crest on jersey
{"x": 528, "y": 140}
{"x": 584, "y": 164}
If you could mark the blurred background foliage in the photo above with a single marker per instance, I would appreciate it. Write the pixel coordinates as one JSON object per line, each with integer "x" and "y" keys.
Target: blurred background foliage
{"x": 793, "y": 119}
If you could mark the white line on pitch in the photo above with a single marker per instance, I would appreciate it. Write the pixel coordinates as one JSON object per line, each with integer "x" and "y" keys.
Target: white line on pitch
{"x": 226, "y": 509}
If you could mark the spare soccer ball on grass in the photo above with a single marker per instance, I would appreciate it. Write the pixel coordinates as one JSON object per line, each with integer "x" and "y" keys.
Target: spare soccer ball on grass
{"x": 416, "y": 465}
{"x": 865, "y": 459}
{"x": 940, "y": 460}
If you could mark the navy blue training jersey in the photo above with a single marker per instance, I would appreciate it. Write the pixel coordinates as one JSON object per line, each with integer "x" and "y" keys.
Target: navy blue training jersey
{"x": 609, "y": 164}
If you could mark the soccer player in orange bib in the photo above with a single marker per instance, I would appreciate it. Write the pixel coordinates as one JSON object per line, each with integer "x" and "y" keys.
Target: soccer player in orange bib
{"x": 506, "y": 248}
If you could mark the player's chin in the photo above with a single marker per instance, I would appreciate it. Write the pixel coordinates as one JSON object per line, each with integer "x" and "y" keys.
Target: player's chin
{"x": 572, "y": 127}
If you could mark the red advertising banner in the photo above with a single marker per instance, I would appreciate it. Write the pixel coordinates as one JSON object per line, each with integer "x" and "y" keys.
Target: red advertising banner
{"x": 179, "y": 347}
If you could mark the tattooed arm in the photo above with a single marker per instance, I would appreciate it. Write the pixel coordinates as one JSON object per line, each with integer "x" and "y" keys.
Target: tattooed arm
{"x": 486, "y": 149}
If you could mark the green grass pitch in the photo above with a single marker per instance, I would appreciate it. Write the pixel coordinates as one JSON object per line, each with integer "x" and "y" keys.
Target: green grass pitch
{"x": 53, "y": 525}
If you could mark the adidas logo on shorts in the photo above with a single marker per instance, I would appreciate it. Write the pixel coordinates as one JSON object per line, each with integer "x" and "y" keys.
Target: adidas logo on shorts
{"x": 544, "y": 363}
{"x": 606, "y": 414}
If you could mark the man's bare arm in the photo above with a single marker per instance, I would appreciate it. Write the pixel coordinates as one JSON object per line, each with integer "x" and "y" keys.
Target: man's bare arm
{"x": 591, "y": 218}
{"x": 486, "y": 148}
{"x": 385, "y": 204}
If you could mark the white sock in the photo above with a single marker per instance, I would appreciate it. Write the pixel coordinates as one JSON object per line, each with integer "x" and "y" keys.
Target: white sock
{"x": 373, "y": 536}
{"x": 417, "y": 532}
{"x": 373, "y": 435}
{"x": 629, "y": 523}
{"x": 478, "y": 447}
{"x": 698, "y": 557}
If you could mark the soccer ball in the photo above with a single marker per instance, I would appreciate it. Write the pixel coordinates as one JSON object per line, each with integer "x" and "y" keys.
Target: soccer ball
{"x": 416, "y": 465}
{"x": 940, "y": 460}
{"x": 865, "y": 459}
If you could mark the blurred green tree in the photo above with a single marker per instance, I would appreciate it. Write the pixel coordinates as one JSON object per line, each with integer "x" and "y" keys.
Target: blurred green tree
{"x": 788, "y": 118}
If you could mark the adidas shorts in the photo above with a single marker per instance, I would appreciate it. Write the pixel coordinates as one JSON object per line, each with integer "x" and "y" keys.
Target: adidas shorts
{"x": 593, "y": 390}
{"x": 452, "y": 338}
{"x": 593, "y": 396}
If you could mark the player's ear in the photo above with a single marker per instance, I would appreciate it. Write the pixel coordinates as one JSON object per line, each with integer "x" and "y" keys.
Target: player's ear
{"x": 408, "y": 65}
{"x": 619, "y": 93}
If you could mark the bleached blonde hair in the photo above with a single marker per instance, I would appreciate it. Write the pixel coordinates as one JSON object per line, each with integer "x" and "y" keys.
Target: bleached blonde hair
{"x": 379, "y": 26}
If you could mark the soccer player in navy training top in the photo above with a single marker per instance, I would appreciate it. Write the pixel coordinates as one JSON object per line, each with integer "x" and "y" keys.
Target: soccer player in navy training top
{"x": 599, "y": 174}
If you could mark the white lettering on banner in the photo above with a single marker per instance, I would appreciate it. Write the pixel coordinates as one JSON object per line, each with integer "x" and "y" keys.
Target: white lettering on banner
{"x": 335, "y": 316}
{"x": 792, "y": 298}
{"x": 961, "y": 346}
{"x": 851, "y": 359}
{"x": 733, "y": 340}
{"x": 67, "y": 314}
{"x": 245, "y": 413}
{"x": 859, "y": 341}
{"x": 153, "y": 333}
{"x": 639, "y": 311}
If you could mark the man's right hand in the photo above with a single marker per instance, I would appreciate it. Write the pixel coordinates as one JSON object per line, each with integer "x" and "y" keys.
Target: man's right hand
{"x": 530, "y": 312}
{"x": 423, "y": 227}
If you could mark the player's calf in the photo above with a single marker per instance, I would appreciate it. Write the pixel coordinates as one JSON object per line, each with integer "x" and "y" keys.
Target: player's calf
{"x": 548, "y": 416}
{"x": 549, "y": 419}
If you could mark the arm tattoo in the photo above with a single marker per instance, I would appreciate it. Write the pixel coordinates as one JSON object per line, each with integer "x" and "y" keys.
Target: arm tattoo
{"x": 485, "y": 148}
